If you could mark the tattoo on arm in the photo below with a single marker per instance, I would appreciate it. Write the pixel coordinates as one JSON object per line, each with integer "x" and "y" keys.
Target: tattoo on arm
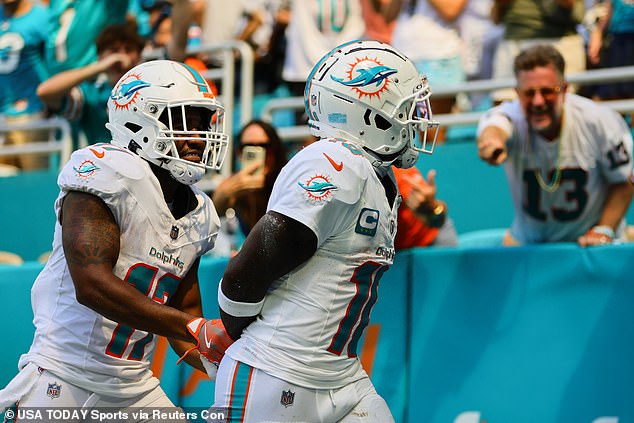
{"x": 90, "y": 234}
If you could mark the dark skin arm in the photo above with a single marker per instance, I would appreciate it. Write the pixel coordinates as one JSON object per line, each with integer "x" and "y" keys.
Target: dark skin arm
{"x": 276, "y": 245}
{"x": 187, "y": 299}
{"x": 90, "y": 236}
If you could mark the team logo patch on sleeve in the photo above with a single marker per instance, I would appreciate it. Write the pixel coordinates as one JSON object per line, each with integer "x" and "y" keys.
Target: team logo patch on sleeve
{"x": 318, "y": 188}
{"x": 86, "y": 169}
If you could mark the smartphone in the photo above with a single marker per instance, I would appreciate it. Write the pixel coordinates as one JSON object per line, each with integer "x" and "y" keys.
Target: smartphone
{"x": 253, "y": 154}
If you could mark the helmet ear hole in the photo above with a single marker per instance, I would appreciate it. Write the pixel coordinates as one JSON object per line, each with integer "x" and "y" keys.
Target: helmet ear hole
{"x": 366, "y": 117}
{"x": 382, "y": 123}
{"x": 133, "y": 127}
{"x": 133, "y": 146}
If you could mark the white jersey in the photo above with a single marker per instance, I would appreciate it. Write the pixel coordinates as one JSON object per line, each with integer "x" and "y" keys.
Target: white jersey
{"x": 309, "y": 328}
{"x": 316, "y": 28}
{"x": 594, "y": 150}
{"x": 75, "y": 342}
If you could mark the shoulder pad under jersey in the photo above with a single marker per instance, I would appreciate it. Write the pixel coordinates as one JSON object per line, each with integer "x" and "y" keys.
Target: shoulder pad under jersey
{"x": 101, "y": 168}
{"x": 333, "y": 161}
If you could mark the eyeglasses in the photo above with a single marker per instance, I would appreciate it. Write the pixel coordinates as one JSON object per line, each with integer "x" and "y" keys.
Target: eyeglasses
{"x": 545, "y": 92}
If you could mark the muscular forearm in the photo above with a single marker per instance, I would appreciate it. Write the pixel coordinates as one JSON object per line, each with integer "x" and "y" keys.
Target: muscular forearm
{"x": 119, "y": 301}
{"x": 276, "y": 245}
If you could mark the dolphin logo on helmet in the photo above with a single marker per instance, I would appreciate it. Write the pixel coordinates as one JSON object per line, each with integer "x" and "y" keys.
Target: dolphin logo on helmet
{"x": 367, "y": 76}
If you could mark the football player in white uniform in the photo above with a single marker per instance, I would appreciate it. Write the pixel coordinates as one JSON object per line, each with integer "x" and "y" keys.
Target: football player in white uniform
{"x": 129, "y": 234}
{"x": 568, "y": 160}
{"x": 299, "y": 293}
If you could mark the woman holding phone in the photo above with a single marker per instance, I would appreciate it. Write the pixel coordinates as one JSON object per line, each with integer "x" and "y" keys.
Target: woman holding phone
{"x": 246, "y": 192}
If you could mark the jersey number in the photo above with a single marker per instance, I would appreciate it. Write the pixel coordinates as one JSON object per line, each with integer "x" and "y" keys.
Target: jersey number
{"x": 366, "y": 277}
{"x": 576, "y": 195}
{"x": 332, "y": 15}
{"x": 65, "y": 20}
{"x": 11, "y": 45}
{"x": 142, "y": 277}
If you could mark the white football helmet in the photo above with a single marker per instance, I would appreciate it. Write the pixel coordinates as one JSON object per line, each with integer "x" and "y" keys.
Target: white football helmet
{"x": 147, "y": 114}
{"x": 369, "y": 93}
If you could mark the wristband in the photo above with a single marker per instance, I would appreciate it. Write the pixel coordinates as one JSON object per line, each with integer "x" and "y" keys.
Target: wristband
{"x": 237, "y": 308}
{"x": 603, "y": 230}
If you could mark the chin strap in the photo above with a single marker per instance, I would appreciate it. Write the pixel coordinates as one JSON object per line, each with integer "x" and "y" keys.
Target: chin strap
{"x": 185, "y": 173}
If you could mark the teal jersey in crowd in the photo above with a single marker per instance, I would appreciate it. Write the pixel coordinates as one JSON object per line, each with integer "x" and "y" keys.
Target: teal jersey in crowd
{"x": 622, "y": 21}
{"x": 21, "y": 61}
{"x": 74, "y": 27}
{"x": 95, "y": 110}
{"x": 86, "y": 107}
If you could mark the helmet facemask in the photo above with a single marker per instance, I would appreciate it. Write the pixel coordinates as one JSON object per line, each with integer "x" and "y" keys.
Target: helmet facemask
{"x": 190, "y": 122}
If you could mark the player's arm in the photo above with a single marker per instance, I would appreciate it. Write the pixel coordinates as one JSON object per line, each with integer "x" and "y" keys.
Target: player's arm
{"x": 187, "y": 299}
{"x": 276, "y": 245}
{"x": 90, "y": 236}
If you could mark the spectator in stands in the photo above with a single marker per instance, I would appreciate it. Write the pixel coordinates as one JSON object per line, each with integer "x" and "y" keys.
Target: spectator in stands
{"x": 219, "y": 20}
{"x": 568, "y": 160}
{"x": 481, "y": 38}
{"x": 298, "y": 295}
{"x": 162, "y": 34}
{"x": 246, "y": 192}
{"x": 530, "y": 22}
{"x": 615, "y": 33}
{"x": 422, "y": 218}
{"x": 75, "y": 26}
{"x": 315, "y": 27}
{"x": 182, "y": 17}
{"x": 81, "y": 94}
{"x": 22, "y": 36}
{"x": 263, "y": 27}
{"x": 160, "y": 22}
{"x": 73, "y": 29}
{"x": 130, "y": 232}
{"x": 427, "y": 32}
